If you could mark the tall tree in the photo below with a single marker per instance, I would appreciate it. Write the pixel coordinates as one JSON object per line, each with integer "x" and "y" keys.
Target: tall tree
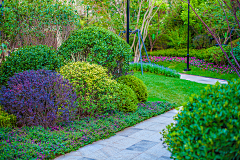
{"x": 111, "y": 14}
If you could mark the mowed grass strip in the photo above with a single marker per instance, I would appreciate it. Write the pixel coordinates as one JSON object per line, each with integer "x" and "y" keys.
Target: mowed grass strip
{"x": 173, "y": 90}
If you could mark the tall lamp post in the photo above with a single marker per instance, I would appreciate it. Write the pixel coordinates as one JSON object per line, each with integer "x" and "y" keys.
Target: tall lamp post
{"x": 188, "y": 69}
{"x": 128, "y": 13}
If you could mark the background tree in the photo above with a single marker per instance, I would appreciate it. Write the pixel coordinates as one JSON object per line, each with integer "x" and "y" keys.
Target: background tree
{"x": 233, "y": 8}
{"x": 112, "y": 15}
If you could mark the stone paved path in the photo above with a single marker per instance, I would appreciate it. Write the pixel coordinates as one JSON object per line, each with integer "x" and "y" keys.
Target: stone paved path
{"x": 201, "y": 79}
{"x": 139, "y": 142}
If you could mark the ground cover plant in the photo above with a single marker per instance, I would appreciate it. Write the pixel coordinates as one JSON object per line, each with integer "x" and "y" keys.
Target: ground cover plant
{"x": 39, "y": 143}
{"x": 169, "y": 89}
{"x": 154, "y": 68}
{"x": 208, "y": 125}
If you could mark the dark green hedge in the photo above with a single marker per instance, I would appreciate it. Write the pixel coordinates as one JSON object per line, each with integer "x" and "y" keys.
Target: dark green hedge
{"x": 98, "y": 45}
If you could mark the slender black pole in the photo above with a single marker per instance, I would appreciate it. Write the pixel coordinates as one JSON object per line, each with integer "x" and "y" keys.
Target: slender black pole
{"x": 188, "y": 69}
{"x": 128, "y": 13}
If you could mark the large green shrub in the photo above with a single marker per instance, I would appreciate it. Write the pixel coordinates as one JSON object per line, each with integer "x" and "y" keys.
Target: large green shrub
{"x": 100, "y": 46}
{"x": 30, "y": 58}
{"x": 6, "y": 120}
{"x": 92, "y": 85}
{"x": 208, "y": 127}
{"x": 136, "y": 85}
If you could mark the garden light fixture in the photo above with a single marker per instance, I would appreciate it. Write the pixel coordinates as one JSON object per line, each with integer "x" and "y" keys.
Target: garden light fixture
{"x": 128, "y": 13}
{"x": 188, "y": 69}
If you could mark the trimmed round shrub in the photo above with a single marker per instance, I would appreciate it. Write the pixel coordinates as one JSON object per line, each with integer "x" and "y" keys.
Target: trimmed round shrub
{"x": 100, "y": 46}
{"x": 137, "y": 85}
{"x": 125, "y": 98}
{"x": 6, "y": 120}
{"x": 30, "y": 58}
{"x": 39, "y": 97}
{"x": 208, "y": 127}
{"x": 92, "y": 85}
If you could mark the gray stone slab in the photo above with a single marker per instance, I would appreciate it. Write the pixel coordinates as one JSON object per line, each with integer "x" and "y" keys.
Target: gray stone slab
{"x": 143, "y": 135}
{"x": 89, "y": 149}
{"x": 124, "y": 143}
{"x": 158, "y": 151}
{"x": 161, "y": 119}
{"x": 68, "y": 157}
{"x": 157, "y": 127}
{"x": 125, "y": 155}
{"x": 85, "y": 158}
{"x": 155, "y": 138}
{"x": 143, "y": 125}
{"x": 98, "y": 155}
{"x": 111, "y": 140}
{"x": 142, "y": 146}
{"x": 110, "y": 151}
{"x": 128, "y": 132}
{"x": 145, "y": 156}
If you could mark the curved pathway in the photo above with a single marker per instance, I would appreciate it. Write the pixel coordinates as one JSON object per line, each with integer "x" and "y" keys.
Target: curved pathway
{"x": 139, "y": 142}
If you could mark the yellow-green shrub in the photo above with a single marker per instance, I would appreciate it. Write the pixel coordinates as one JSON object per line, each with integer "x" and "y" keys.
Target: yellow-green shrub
{"x": 92, "y": 85}
{"x": 6, "y": 120}
{"x": 137, "y": 85}
{"x": 124, "y": 98}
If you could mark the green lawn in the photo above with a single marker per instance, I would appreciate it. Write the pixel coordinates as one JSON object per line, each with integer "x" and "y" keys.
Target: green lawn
{"x": 162, "y": 88}
{"x": 195, "y": 70}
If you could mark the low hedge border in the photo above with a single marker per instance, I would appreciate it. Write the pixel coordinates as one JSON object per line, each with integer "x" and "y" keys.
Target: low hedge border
{"x": 40, "y": 143}
{"x": 154, "y": 68}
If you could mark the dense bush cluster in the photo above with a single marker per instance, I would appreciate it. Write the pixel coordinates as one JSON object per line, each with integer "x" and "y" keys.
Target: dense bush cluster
{"x": 28, "y": 58}
{"x": 137, "y": 85}
{"x": 100, "y": 46}
{"x": 39, "y": 98}
{"x": 154, "y": 68}
{"x": 208, "y": 126}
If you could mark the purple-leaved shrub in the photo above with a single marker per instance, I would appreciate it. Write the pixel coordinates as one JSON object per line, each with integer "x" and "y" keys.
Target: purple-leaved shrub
{"x": 39, "y": 97}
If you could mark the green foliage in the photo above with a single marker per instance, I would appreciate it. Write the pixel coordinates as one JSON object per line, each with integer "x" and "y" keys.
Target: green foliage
{"x": 26, "y": 22}
{"x": 201, "y": 41}
{"x": 208, "y": 126}
{"x": 154, "y": 68}
{"x": 30, "y": 58}
{"x": 92, "y": 85}
{"x": 100, "y": 46}
{"x": 235, "y": 50}
{"x": 125, "y": 98}
{"x": 6, "y": 120}
{"x": 137, "y": 85}
{"x": 212, "y": 55}
{"x": 38, "y": 143}
{"x": 178, "y": 37}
